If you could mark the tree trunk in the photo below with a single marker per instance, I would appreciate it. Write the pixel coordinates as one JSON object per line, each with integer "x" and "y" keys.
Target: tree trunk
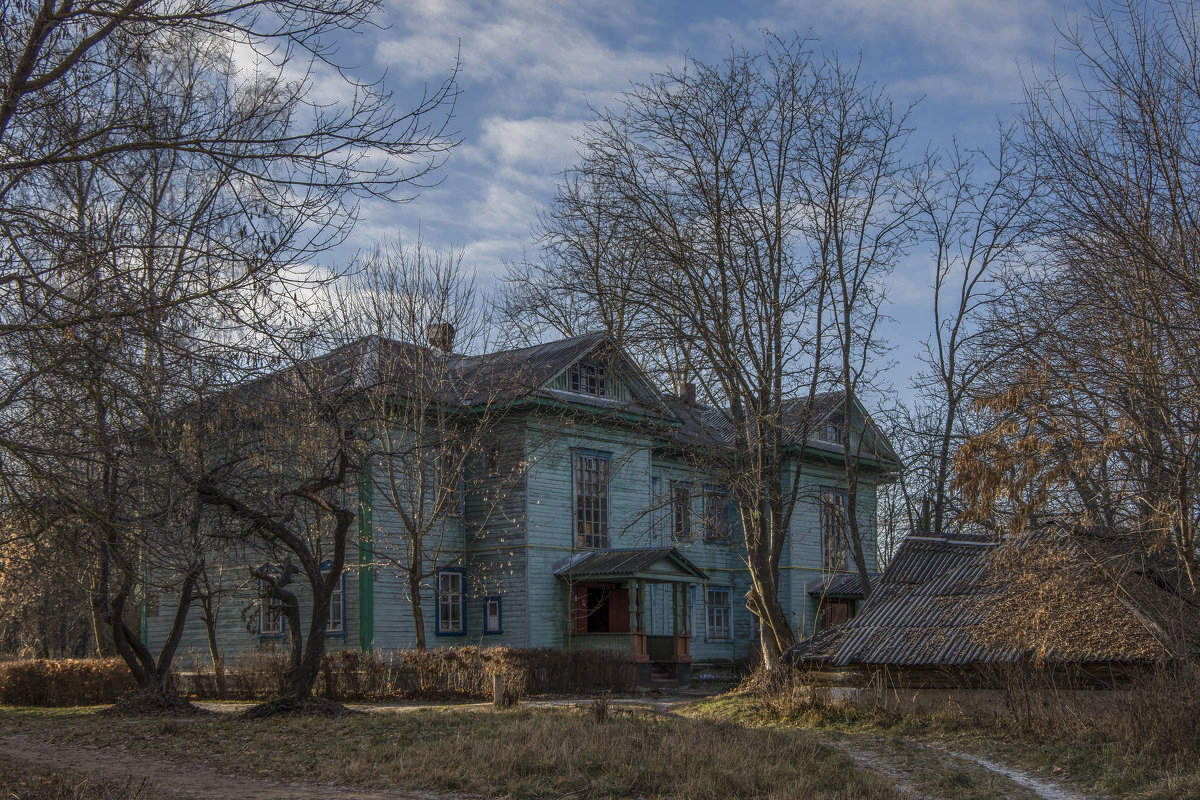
{"x": 418, "y": 615}
{"x": 214, "y": 651}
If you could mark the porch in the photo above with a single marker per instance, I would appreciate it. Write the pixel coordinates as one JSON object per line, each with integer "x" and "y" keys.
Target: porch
{"x": 608, "y": 591}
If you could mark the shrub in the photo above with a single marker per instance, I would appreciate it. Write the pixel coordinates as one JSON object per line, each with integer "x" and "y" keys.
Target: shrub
{"x": 442, "y": 674}
{"x": 64, "y": 682}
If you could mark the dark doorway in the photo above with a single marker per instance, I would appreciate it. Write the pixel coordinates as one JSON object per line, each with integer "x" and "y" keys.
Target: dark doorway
{"x": 835, "y": 612}
{"x": 601, "y": 608}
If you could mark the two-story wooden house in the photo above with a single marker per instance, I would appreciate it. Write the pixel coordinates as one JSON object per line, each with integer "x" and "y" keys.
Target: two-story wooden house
{"x": 585, "y": 522}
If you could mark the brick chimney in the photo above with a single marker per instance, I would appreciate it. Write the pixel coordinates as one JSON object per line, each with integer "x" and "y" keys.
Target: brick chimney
{"x": 440, "y": 336}
{"x": 689, "y": 395}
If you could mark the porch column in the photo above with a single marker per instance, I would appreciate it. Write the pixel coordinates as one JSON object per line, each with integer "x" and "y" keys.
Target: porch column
{"x": 683, "y": 655}
{"x": 638, "y": 621}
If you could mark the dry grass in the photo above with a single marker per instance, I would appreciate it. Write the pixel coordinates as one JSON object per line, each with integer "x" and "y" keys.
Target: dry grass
{"x": 1142, "y": 742}
{"x": 520, "y": 753}
{"x": 19, "y": 781}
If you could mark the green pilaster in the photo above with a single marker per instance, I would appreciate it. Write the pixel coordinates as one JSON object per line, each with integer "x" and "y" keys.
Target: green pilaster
{"x": 366, "y": 555}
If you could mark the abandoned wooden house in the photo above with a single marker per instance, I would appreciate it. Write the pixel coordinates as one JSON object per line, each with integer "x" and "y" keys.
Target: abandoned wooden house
{"x": 584, "y": 521}
{"x": 963, "y": 611}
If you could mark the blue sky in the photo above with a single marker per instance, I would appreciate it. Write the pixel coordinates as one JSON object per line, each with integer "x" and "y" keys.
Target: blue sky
{"x": 532, "y": 71}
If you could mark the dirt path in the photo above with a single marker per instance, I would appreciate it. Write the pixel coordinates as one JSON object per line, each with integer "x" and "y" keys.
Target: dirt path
{"x": 169, "y": 780}
{"x": 1043, "y": 789}
{"x": 923, "y": 770}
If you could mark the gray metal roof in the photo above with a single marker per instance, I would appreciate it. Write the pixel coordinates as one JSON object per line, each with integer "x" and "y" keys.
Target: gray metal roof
{"x": 918, "y": 615}
{"x": 839, "y": 585}
{"x": 624, "y": 562}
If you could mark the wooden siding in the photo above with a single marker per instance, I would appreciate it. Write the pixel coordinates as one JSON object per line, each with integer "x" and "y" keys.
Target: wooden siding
{"x": 518, "y": 524}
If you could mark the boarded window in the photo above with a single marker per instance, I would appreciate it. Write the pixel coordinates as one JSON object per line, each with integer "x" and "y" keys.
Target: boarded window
{"x": 591, "y": 498}
{"x": 835, "y": 612}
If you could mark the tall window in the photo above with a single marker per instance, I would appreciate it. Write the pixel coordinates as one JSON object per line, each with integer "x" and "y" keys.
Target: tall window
{"x": 450, "y": 602}
{"x": 717, "y": 602}
{"x": 681, "y": 510}
{"x": 591, "y": 498}
{"x": 834, "y": 551}
{"x": 270, "y": 613}
{"x": 588, "y": 377}
{"x": 337, "y": 603}
{"x": 450, "y": 481}
{"x": 716, "y": 514}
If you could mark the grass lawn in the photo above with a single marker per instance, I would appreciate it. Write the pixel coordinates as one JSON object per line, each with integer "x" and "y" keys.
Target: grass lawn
{"x": 1098, "y": 764}
{"x": 526, "y": 752}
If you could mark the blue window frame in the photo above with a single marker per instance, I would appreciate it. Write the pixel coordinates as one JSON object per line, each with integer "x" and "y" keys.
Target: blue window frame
{"x": 336, "y": 626}
{"x": 450, "y": 610}
{"x": 491, "y": 615}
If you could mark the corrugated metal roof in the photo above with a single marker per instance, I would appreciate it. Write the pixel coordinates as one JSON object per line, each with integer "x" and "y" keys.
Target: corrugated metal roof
{"x": 840, "y": 585}
{"x": 918, "y": 614}
{"x": 624, "y": 562}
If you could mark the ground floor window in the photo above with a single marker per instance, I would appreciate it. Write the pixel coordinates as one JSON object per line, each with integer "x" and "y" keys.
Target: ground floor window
{"x": 450, "y": 601}
{"x": 491, "y": 615}
{"x": 270, "y": 613}
{"x": 718, "y": 605}
{"x": 337, "y": 603}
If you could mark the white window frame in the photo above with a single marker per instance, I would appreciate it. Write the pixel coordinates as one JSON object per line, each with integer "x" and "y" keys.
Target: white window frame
{"x": 488, "y": 603}
{"x": 451, "y": 597}
{"x": 718, "y": 616}
{"x": 582, "y": 373}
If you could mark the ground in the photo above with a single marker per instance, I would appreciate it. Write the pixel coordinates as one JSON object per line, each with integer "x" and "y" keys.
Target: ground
{"x": 668, "y": 748}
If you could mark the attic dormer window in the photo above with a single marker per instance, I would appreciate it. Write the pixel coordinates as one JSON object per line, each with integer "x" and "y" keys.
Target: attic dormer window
{"x": 831, "y": 430}
{"x": 588, "y": 377}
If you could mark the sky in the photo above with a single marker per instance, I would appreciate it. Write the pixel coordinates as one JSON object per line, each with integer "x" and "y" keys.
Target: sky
{"x": 532, "y": 72}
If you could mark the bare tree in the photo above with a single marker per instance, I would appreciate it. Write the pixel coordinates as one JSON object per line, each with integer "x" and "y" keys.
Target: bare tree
{"x": 1096, "y": 414}
{"x": 283, "y": 450}
{"x": 858, "y": 196}
{"x": 703, "y": 260}
{"x": 156, "y": 202}
{"x": 415, "y": 309}
{"x": 978, "y": 212}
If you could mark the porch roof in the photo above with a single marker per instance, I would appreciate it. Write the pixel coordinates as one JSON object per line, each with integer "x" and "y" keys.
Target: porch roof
{"x": 662, "y": 564}
{"x": 840, "y": 585}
